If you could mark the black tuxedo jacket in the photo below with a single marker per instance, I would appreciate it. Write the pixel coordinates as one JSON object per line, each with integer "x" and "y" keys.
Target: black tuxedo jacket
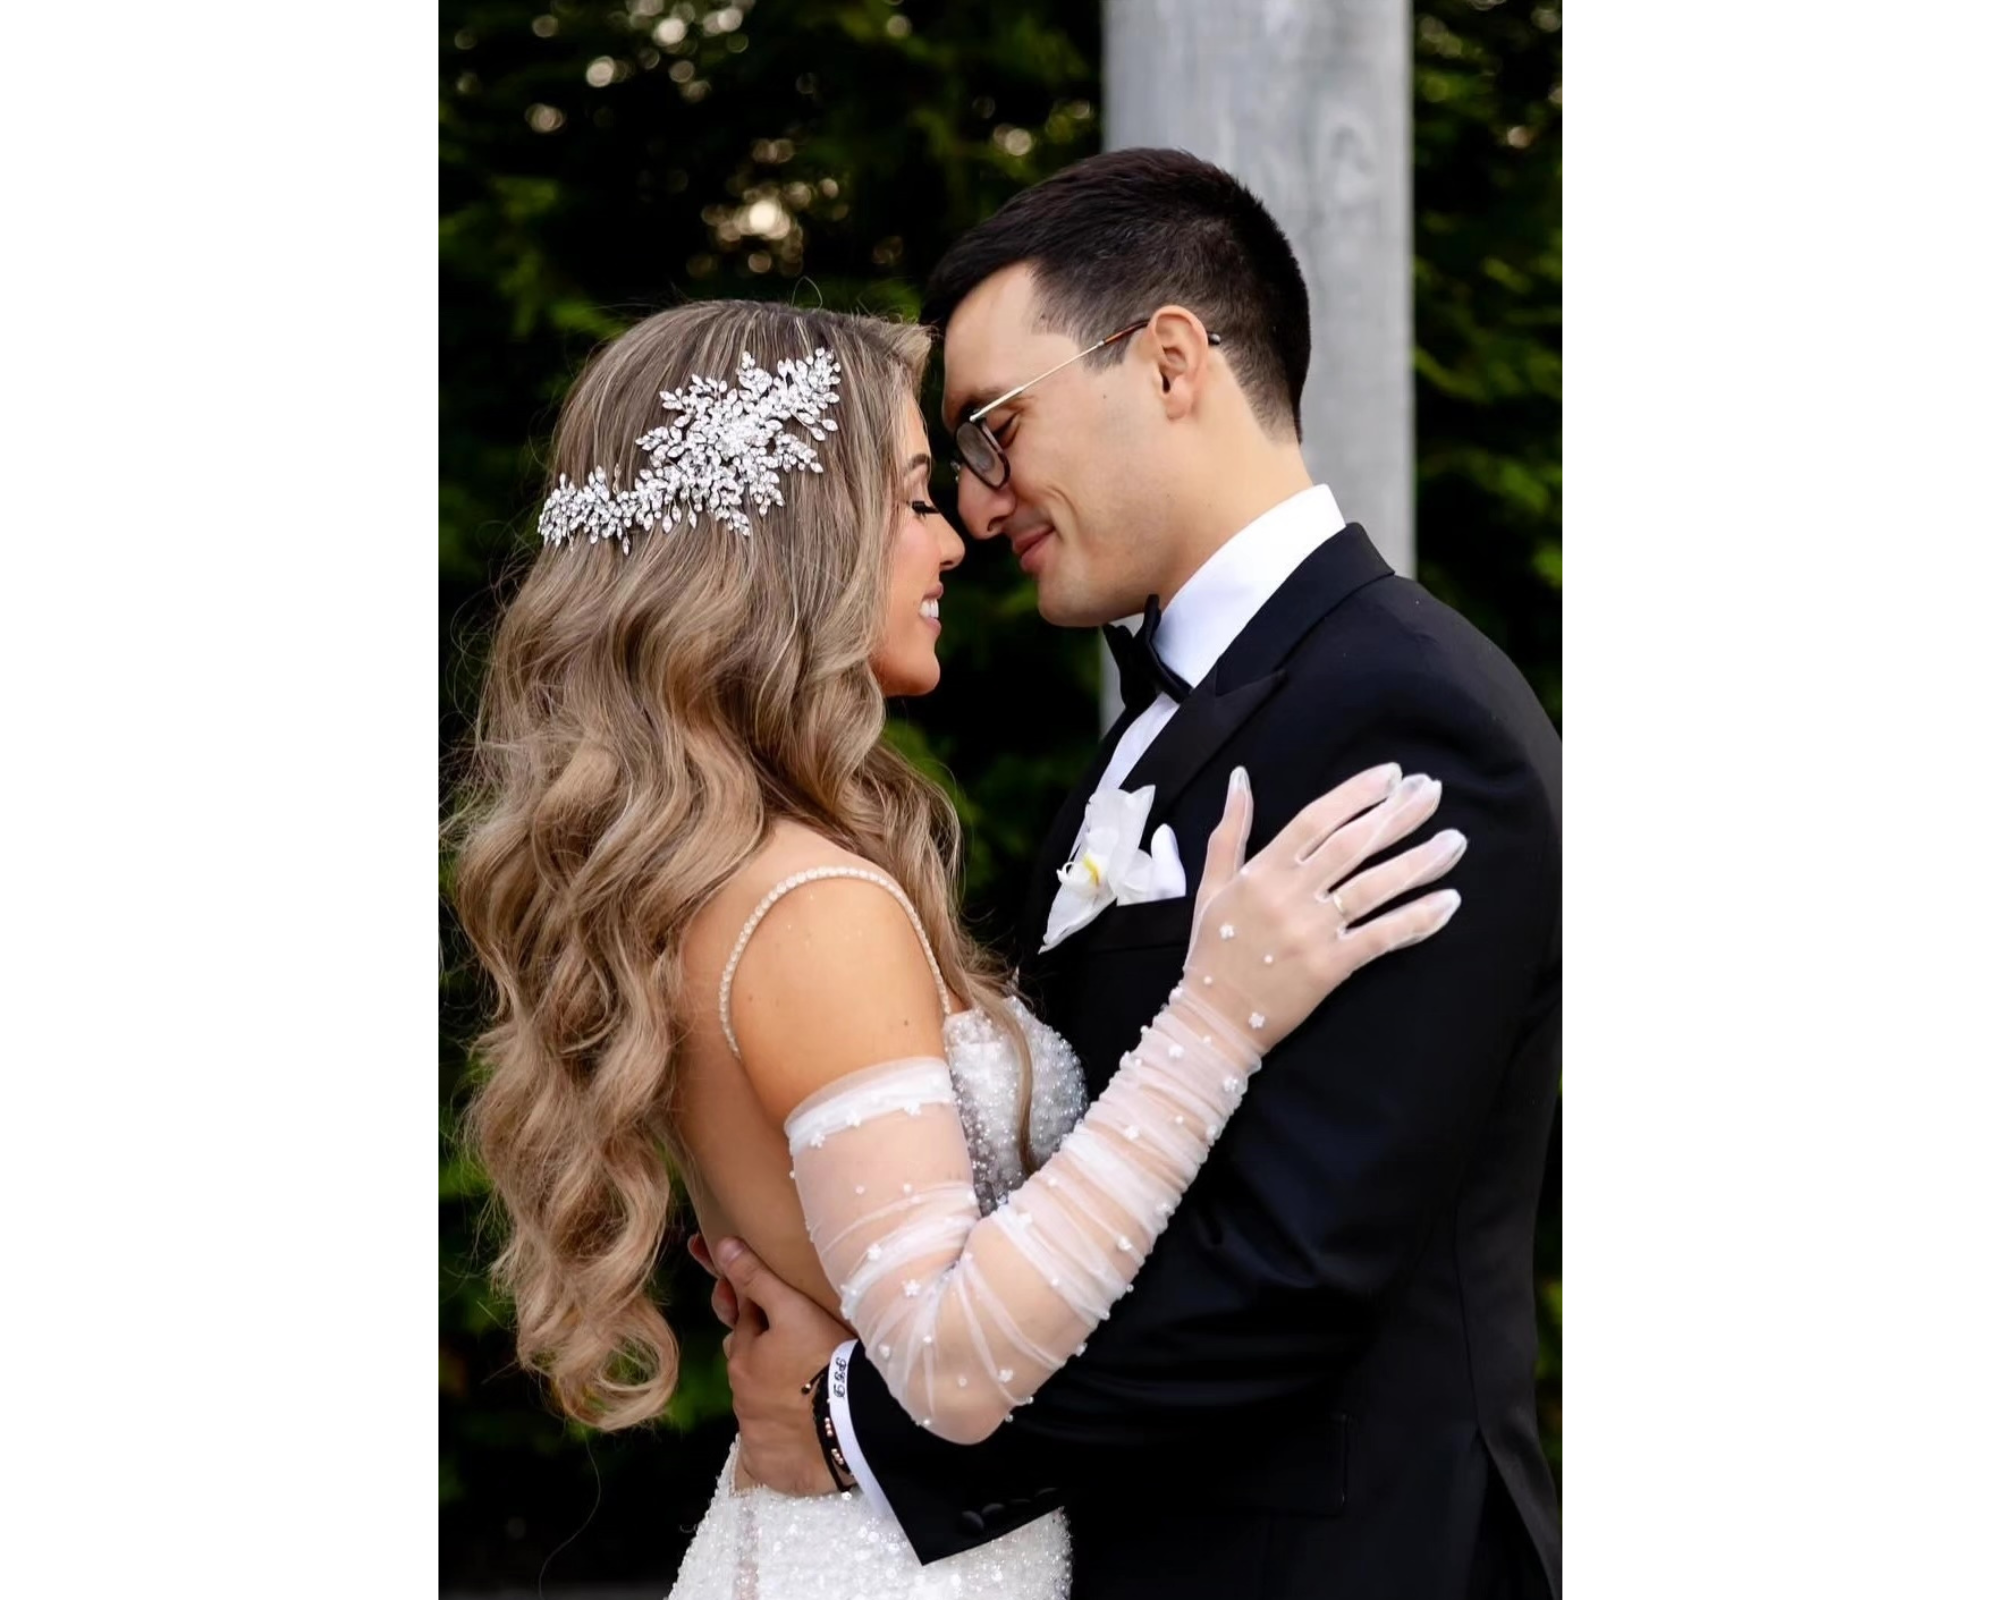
{"x": 1322, "y": 1382}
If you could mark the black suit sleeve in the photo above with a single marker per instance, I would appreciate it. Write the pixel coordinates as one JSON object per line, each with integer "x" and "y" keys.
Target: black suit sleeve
{"x": 1322, "y": 1191}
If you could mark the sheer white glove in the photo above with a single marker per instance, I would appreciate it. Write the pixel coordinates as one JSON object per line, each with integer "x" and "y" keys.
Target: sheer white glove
{"x": 966, "y": 1317}
{"x": 1274, "y": 938}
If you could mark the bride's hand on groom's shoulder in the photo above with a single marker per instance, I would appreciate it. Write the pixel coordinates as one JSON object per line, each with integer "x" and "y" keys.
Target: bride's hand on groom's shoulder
{"x": 1275, "y": 935}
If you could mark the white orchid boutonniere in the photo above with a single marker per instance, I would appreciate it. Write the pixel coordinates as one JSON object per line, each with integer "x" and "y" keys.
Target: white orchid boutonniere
{"x": 1109, "y": 868}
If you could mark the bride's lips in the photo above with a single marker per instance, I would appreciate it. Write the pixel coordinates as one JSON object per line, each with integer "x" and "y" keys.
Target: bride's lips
{"x": 1025, "y": 548}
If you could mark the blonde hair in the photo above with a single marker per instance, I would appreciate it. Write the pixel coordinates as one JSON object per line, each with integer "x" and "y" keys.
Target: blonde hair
{"x": 646, "y": 719}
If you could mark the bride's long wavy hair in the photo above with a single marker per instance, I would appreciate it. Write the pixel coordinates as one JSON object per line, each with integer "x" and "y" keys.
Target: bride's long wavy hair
{"x": 645, "y": 720}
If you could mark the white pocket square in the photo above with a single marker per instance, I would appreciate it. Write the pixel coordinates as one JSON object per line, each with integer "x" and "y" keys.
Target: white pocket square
{"x": 1169, "y": 876}
{"x": 1108, "y": 868}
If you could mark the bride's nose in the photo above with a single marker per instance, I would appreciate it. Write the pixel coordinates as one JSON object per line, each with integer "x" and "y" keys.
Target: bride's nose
{"x": 951, "y": 548}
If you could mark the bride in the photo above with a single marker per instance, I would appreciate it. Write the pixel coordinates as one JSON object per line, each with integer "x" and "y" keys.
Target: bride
{"x": 717, "y": 911}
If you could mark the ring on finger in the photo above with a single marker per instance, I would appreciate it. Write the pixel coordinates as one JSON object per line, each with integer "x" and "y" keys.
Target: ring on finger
{"x": 1340, "y": 910}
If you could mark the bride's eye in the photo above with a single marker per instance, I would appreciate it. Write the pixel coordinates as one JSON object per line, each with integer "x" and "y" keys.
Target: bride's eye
{"x": 924, "y": 508}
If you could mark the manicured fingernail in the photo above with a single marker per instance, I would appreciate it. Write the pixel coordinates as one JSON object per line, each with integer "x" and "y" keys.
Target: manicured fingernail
{"x": 1411, "y": 785}
{"x": 1453, "y": 842}
{"x": 1239, "y": 781}
{"x": 1453, "y": 901}
{"x": 728, "y": 1250}
{"x": 1389, "y": 776}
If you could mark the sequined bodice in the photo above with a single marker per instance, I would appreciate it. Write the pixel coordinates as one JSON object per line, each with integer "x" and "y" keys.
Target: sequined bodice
{"x": 988, "y": 1080}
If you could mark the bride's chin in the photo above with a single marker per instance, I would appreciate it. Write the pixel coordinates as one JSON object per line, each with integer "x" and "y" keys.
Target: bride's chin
{"x": 906, "y": 680}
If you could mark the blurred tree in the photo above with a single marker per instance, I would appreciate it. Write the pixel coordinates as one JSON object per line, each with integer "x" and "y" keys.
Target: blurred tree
{"x": 600, "y": 162}
{"x": 1488, "y": 246}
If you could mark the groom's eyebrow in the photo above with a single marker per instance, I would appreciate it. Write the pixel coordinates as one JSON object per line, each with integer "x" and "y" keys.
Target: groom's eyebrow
{"x": 976, "y": 399}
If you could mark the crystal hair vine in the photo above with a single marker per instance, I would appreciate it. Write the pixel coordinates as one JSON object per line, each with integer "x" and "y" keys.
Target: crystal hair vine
{"x": 729, "y": 444}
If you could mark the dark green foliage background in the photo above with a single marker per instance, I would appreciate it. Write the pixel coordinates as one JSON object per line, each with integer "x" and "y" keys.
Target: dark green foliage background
{"x": 601, "y": 162}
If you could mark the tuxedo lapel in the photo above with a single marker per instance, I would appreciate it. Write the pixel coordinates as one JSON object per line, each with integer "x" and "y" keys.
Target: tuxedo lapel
{"x": 1250, "y": 669}
{"x": 1204, "y": 722}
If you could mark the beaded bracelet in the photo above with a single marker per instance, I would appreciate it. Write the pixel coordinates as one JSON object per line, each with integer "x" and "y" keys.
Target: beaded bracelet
{"x": 823, "y": 1428}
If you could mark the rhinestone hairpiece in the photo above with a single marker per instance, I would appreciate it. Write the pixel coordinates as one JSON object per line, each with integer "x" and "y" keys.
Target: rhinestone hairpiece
{"x": 729, "y": 444}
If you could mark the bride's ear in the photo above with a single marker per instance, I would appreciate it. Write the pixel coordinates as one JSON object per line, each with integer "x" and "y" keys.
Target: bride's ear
{"x": 1176, "y": 341}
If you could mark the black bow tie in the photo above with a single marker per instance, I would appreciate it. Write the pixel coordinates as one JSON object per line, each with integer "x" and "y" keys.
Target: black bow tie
{"x": 1141, "y": 672}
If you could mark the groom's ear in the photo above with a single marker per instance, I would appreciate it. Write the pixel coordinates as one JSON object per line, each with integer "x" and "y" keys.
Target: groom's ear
{"x": 1179, "y": 350}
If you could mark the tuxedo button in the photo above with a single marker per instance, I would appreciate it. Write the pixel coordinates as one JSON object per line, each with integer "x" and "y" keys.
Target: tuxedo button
{"x": 972, "y": 1522}
{"x": 992, "y": 1513}
{"x": 1046, "y": 1494}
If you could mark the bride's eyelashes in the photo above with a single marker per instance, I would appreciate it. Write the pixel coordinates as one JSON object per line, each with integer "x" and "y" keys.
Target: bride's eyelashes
{"x": 924, "y": 508}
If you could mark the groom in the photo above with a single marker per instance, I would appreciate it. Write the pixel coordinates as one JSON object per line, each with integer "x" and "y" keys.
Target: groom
{"x": 1322, "y": 1382}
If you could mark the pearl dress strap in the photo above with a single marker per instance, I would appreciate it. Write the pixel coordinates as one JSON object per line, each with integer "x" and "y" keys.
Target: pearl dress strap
{"x": 814, "y": 875}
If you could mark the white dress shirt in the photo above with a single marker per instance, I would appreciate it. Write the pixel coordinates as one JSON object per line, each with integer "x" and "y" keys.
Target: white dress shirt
{"x": 1217, "y": 603}
{"x": 1196, "y": 628}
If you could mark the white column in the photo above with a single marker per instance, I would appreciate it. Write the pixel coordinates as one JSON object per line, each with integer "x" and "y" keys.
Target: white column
{"x": 1307, "y": 102}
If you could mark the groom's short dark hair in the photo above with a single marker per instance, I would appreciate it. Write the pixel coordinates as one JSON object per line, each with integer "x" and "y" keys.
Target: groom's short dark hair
{"x": 1115, "y": 237}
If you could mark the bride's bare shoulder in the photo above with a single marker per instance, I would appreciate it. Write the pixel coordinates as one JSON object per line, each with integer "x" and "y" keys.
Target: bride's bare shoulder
{"x": 791, "y": 848}
{"x": 834, "y": 979}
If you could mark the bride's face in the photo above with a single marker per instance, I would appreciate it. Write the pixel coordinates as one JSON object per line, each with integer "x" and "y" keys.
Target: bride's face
{"x": 924, "y": 547}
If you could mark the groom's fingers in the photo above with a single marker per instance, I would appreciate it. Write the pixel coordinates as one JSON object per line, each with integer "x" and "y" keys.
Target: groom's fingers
{"x": 722, "y": 1301}
{"x": 760, "y": 1293}
{"x": 722, "y": 1298}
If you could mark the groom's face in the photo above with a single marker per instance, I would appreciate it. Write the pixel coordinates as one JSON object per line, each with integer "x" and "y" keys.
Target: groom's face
{"x": 1072, "y": 505}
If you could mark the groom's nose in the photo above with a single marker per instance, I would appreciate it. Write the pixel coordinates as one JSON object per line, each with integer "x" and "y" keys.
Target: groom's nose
{"x": 982, "y": 511}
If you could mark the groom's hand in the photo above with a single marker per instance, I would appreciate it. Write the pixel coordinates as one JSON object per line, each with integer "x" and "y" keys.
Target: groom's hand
{"x": 780, "y": 1339}
{"x": 722, "y": 1301}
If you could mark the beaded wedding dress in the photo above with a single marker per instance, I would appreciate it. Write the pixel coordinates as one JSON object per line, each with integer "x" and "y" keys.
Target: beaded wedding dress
{"x": 970, "y": 1278}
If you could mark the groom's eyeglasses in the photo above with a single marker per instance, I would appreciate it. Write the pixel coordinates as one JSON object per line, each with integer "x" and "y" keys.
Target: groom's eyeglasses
{"x": 976, "y": 449}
